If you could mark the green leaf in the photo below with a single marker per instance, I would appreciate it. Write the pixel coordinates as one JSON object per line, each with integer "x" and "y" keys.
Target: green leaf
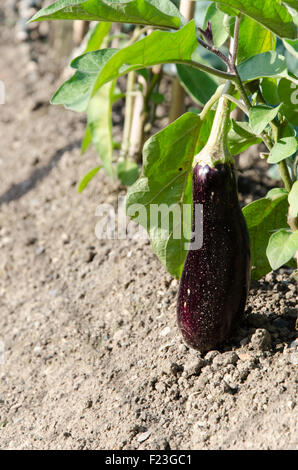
{"x": 97, "y": 36}
{"x": 267, "y": 64}
{"x": 200, "y": 85}
{"x": 288, "y": 94}
{"x": 282, "y": 149}
{"x": 260, "y": 116}
{"x": 270, "y": 13}
{"x": 167, "y": 179}
{"x": 253, "y": 39}
{"x": 127, "y": 172}
{"x": 293, "y": 200}
{"x": 292, "y": 3}
{"x": 263, "y": 216}
{"x": 147, "y": 12}
{"x": 291, "y": 46}
{"x": 282, "y": 246}
{"x": 275, "y": 193}
{"x": 241, "y": 137}
{"x": 99, "y": 117}
{"x": 157, "y": 98}
{"x": 87, "y": 178}
{"x": 269, "y": 90}
{"x": 229, "y": 11}
{"x": 75, "y": 93}
{"x": 87, "y": 140}
{"x": 216, "y": 17}
{"x": 148, "y": 52}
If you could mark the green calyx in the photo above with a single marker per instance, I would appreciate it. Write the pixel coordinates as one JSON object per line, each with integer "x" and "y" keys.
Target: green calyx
{"x": 216, "y": 149}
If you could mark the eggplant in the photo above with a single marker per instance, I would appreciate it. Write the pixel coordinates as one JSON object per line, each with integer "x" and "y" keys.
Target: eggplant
{"x": 215, "y": 279}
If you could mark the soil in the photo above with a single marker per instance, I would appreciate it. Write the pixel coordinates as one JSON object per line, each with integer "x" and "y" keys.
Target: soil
{"x": 92, "y": 355}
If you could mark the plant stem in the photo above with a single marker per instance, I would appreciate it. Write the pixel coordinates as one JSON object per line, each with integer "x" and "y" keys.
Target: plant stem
{"x": 205, "y": 68}
{"x": 237, "y": 103}
{"x": 235, "y": 41}
{"x": 214, "y": 98}
{"x": 214, "y": 50}
{"x": 285, "y": 174}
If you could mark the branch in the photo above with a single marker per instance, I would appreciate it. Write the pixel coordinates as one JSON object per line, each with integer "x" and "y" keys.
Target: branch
{"x": 214, "y": 50}
{"x": 205, "y": 68}
{"x": 238, "y": 103}
{"x": 235, "y": 41}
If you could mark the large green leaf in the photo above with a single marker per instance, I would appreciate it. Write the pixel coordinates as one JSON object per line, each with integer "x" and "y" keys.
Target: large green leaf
{"x": 263, "y": 217}
{"x": 200, "y": 85}
{"x": 75, "y": 92}
{"x": 283, "y": 148}
{"x": 167, "y": 179}
{"x": 157, "y": 48}
{"x": 148, "y": 12}
{"x": 270, "y": 13}
{"x": 260, "y": 116}
{"x": 267, "y": 64}
{"x": 253, "y": 39}
{"x": 282, "y": 246}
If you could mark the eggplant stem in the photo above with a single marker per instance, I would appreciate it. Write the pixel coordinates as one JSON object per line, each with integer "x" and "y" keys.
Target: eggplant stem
{"x": 214, "y": 98}
{"x": 237, "y": 103}
{"x": 216, "y": 148}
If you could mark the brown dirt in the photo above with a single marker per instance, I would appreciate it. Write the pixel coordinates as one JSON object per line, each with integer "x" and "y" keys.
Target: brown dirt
{"x": 93, "y": 358}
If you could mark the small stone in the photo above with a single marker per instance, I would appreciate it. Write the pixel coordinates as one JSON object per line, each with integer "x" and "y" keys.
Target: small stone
{"x": 210, "y": 356}
{"x": 31, "y": 241}
{"x": 90, "y": 257}
{"x": 261, "y": 340}
{"x": 175, "y": 368}
{"x": 229, "y": 389}
{"x": 223, "y": 360}
{"x": 291, "y": 404}
{"x": 165, "y": 331}
{"x": 144, "y": 436}
{"x": 65, "y": 238}
{"x": 193, "y": 367}
{"x": 40, "y": 250}
{"x": 244, "y": 356}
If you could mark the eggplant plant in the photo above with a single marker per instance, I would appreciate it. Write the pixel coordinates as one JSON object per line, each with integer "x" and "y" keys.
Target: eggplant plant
{"x": 232, "y": 54}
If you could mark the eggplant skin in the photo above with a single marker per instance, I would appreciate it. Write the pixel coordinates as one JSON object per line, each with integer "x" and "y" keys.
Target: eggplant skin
{"x": 215, "y": 279}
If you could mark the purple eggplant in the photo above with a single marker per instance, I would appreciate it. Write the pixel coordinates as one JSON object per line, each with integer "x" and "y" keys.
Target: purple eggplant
{"x": 215, "y": 278}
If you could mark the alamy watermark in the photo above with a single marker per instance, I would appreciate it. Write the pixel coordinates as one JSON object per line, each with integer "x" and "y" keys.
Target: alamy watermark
{"x": 160, "y": 221}
{"x": 2, "y": 92}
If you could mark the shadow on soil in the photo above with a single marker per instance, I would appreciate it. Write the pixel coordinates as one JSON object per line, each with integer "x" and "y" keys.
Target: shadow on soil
{"x": 16, "y": 191}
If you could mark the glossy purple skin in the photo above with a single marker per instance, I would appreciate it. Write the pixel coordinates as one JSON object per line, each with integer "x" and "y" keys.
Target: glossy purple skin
{"x": 215, "y": 278}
